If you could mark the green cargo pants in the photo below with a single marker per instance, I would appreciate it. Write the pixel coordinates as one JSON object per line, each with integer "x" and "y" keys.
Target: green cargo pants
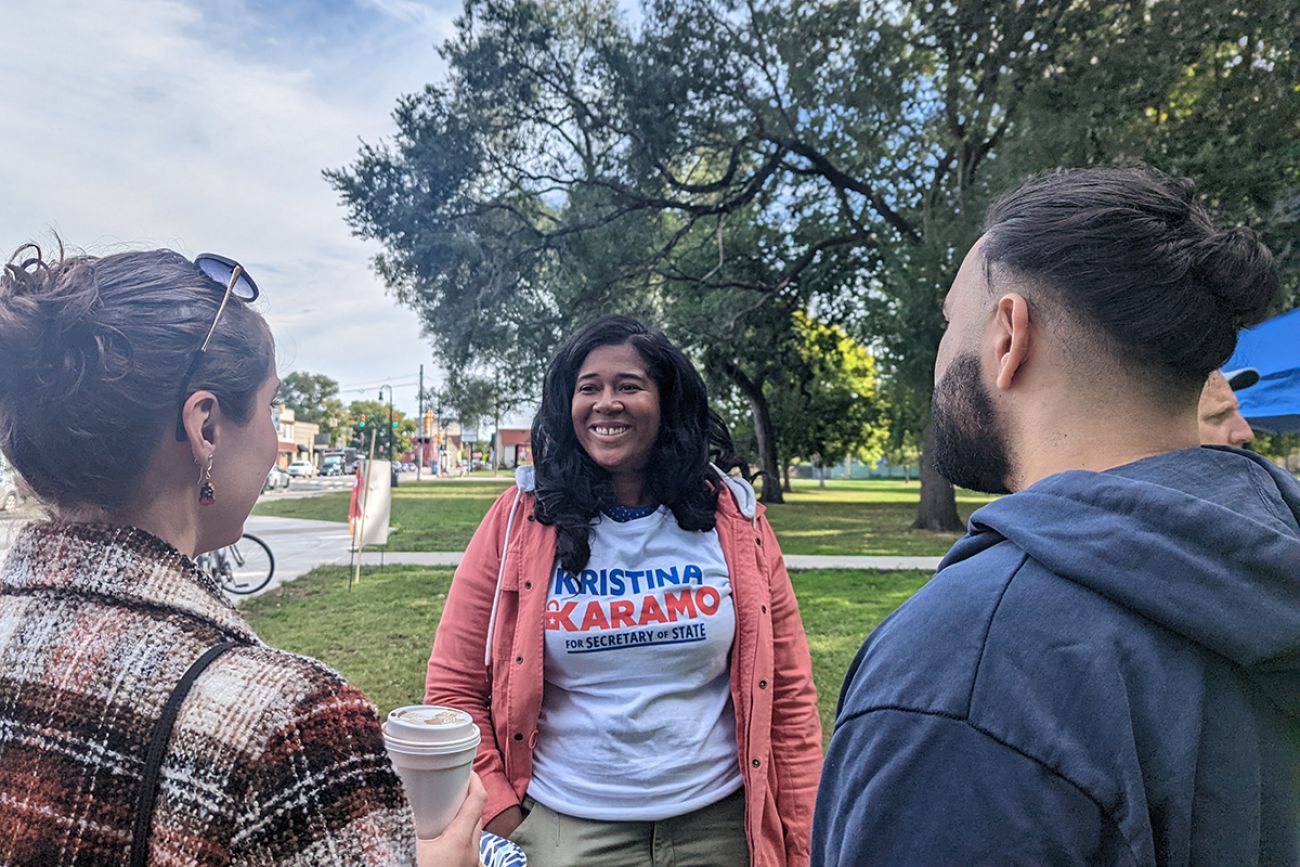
{"x": 713, "y": 836}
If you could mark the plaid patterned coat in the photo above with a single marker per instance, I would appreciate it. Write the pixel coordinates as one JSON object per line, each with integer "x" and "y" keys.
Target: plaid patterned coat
{"x": 274, "y": 759}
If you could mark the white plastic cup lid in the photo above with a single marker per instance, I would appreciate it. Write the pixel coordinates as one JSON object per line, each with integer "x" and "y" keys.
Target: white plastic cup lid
{"x": 423, "y": 748}
{"x": 430, "y": 724}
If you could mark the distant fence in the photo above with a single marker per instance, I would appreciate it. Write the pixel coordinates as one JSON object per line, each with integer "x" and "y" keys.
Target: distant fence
{"x": 853, "y": 469}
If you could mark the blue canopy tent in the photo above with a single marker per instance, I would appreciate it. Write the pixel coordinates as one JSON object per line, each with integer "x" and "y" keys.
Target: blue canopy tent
{"x": 1273, "y": 348}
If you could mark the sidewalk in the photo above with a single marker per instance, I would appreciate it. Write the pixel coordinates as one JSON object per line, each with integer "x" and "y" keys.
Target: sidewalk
{"x": 300, "y": 546}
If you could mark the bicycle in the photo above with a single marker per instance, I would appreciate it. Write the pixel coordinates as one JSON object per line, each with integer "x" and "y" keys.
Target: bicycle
{"x": 242, "y": 568}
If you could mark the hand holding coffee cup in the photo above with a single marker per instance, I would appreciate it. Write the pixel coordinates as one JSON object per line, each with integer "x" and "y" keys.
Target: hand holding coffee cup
{"x": 432, "y": 749}
{"x": 461, "y": 843}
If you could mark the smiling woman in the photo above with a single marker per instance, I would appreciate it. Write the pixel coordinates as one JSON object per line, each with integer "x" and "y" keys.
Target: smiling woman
{"x": 616, "y": 417}
{"x": 625, "y": 421}
{"x": 671, "y": 695}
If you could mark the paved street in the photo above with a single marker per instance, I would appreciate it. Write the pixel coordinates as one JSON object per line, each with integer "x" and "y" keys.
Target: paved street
{"x": 299, "y": 488}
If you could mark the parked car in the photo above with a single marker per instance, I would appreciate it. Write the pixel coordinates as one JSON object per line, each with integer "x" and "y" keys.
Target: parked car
{"x": 302, "y": 470}
{"x": 276, "y": 480}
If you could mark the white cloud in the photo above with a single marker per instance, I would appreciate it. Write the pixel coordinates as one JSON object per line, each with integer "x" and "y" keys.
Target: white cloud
{"x": 419, "y": 14}
{"x": 144, "y": 123}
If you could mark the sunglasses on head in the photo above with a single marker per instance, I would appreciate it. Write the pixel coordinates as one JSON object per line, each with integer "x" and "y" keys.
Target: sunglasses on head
{"x": 239, "y": 285}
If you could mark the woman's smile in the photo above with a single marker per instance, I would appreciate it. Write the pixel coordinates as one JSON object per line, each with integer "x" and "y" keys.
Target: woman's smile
{"x": 616, "y": 412}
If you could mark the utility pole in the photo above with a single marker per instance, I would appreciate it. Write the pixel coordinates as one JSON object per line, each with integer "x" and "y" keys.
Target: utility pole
{"x": 419, "y": 453}
{"x": 437, "y": 435}
{"x": 391, "y": 457}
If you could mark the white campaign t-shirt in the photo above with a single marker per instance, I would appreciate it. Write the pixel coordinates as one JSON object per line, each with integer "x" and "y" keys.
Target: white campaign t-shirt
{"x": 637, "y": 722}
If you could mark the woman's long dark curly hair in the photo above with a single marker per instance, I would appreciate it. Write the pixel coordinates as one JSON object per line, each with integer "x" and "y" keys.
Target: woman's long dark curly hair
{"x": 572, "y": 488}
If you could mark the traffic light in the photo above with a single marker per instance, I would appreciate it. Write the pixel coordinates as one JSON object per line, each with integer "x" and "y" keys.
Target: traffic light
{"x": 394, "y": 425}
{"x": 362, "y": 422}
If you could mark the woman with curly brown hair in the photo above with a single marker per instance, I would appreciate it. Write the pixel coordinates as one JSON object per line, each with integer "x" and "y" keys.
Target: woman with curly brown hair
{"x": 141, "y": 719}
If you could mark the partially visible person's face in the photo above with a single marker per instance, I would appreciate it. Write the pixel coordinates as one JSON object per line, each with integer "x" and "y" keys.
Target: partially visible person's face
{"x": 239, "y": 469}
{"x": 1218, "y": 417}
{"x": 970, "y": 447}
{"x": 615, "y": 409}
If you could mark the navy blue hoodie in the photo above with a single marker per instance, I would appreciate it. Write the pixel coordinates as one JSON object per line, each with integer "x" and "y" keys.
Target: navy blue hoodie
{"x": 1104, "y": 670}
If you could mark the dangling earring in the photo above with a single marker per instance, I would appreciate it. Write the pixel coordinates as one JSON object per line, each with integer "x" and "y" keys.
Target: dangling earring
{"x": 206, "y": 495}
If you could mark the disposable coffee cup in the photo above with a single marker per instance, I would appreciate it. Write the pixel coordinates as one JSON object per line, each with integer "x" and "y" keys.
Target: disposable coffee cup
{"x": 432, "y": 749}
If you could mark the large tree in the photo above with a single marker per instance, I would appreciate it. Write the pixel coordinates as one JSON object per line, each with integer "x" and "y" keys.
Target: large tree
{"x": 306, "y": 394}
{"x": 314, "y": 398}
{"x": 370, "y": 418}
{"x": 726, "y": 164}
{"x": 828, "y": 400}
{"x": 754, "y": 159}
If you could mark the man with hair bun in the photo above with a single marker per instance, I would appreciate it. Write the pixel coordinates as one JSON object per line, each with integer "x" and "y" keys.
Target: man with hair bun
{"x": 1106, "y": 668}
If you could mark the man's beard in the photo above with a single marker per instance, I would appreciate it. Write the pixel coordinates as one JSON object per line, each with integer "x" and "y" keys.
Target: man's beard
{"x": 969, "y": 448}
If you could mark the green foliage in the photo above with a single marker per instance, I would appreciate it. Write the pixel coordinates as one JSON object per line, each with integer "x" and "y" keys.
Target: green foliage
{"x": 334, "y": 420}
{"x": 721, "y": 166}
{"x": 826, "y": 401}
{"x": 306, "y": 394}
{"x": 473, "y": 401}
{"x": 314, "y": 398}
{"x": 1278, "y": 447}
{"x": 1198, "y": 88}
{"x": 376, "y": 417}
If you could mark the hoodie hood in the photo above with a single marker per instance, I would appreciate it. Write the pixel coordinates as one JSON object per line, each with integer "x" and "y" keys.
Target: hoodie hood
{"x": 742, "y": 492}
{"x": 1216, "y": 561}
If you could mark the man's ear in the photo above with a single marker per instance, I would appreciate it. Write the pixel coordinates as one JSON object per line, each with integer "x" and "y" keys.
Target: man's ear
{"x": 199, "y": 417}
{"x": 1011, "y": 343}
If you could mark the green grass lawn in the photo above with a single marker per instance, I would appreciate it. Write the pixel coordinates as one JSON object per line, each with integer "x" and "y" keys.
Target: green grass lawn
{"x": 851, "y": 517}
{"x": 379, "y": 634}
{"x": 426, "y": 516}
{"x": 860, "y": 517}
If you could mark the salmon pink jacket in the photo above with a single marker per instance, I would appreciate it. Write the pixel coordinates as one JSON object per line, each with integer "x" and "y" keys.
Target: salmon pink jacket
{"x": 500, "y": 591}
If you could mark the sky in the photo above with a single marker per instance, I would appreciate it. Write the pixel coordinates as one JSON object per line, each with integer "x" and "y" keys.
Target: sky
{"x": 203, "y": 126}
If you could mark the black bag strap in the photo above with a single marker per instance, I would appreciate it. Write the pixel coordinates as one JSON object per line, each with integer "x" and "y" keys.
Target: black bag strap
{"x": 162, "y": 732}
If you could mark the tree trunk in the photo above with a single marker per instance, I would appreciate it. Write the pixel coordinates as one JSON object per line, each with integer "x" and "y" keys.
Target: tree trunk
{"x": 938, "y": 499}
{"x": 821, "y": 477}
{"x": 785, "y": 474}
{"x": 764, "y": 432}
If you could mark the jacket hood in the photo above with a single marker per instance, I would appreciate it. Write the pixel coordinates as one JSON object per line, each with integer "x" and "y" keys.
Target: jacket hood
{"x": 741, "y": 490}
{"x": 1224, "y": 575}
